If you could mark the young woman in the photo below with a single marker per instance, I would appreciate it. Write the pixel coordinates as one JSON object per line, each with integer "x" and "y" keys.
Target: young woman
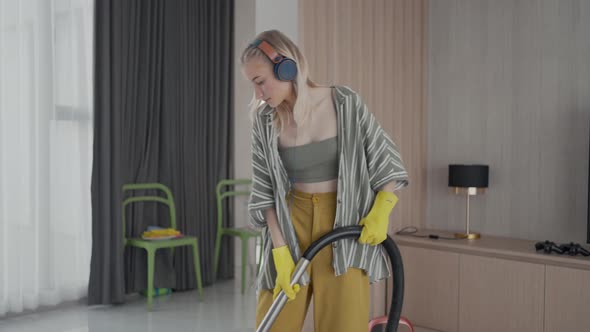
{"x": 320, "y": 161}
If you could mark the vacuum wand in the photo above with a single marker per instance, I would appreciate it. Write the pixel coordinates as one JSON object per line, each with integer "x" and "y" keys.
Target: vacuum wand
{"x": 395, "y": 260}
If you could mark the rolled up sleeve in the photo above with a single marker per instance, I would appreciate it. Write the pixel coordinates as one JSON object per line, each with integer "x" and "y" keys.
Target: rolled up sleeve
{"x": 384, "y": 160}
{"x": 262, "y": 193}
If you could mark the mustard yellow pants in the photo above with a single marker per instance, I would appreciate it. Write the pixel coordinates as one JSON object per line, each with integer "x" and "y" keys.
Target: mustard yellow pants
{"x": 340, "y": 303}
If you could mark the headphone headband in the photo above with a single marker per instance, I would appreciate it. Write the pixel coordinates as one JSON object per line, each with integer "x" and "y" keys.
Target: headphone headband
{"x": 268, "y": 50}
{"x": 285, "y": 69}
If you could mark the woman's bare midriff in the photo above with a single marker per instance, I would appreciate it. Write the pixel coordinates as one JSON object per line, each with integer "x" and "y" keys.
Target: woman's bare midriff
{"x": 317, "y": 187}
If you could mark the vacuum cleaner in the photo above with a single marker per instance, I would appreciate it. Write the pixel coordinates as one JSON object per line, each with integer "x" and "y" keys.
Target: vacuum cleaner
{"x": 339, "y": 234}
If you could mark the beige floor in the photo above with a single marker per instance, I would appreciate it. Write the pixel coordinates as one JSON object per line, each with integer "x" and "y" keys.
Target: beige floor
{"x": 224, "y": 309}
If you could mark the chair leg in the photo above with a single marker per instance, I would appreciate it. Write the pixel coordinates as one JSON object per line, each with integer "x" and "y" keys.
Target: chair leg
{"x": 217, "y": 252}
{"x": 198, "y": 268}
{"x": 150, "y": 276}
{"x": 244, "y": 262}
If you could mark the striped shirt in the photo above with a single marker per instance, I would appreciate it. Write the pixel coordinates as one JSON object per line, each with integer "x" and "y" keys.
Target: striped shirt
{"x": 368, "y": 159}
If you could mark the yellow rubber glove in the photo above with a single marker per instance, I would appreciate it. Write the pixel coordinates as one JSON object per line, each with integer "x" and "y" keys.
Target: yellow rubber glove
{"x": 376, "y": 222}
{"x": 285, "y": 267}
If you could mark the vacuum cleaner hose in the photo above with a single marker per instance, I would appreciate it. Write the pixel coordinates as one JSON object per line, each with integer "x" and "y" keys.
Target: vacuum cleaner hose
{"x": 395, "y": 260}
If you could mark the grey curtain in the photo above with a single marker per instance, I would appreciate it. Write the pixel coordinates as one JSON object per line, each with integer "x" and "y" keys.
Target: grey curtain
{"x": 163, "y": 113}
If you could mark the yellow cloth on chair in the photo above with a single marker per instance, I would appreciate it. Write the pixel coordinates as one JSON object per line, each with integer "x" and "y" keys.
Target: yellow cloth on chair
{"x": 162, "y": 232}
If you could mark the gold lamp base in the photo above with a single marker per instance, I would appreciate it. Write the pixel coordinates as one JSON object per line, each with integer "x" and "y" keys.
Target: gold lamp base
{"x": 468, "y": 191}
{"x": 469, "y": 236}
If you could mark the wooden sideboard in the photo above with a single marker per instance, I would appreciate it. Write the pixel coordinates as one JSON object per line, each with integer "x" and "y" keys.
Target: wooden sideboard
{"x": 493, "y": 284}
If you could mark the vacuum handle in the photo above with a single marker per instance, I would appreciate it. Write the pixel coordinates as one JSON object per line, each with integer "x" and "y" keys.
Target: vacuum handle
{"x": 281, "y": 299}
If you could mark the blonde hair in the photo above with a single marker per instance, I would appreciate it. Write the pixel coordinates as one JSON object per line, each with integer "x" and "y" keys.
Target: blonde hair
{"x": 301, "y": 84}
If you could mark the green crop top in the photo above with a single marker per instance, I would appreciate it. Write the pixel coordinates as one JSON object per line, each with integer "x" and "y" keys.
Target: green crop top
{"x": 313, "y": 162}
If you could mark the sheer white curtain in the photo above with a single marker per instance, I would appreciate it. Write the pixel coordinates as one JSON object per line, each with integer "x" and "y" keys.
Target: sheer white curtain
{"x": 45, "y": 151}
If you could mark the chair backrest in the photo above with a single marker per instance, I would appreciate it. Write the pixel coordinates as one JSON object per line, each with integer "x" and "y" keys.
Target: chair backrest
{"x": 222, "y": 191}
{"x": 167, "y": 200}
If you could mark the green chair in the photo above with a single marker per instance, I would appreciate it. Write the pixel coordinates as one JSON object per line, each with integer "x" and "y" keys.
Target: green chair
{"x": 244, "y": 233}
{"x": 151, "y": 246}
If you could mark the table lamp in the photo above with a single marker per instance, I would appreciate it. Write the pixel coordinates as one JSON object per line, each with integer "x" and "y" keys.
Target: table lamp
{"x": 469, "y": 180}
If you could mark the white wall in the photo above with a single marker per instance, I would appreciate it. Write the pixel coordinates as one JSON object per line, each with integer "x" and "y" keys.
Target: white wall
{"x": 278, "y": 14}
{"x": 250, "y": 18}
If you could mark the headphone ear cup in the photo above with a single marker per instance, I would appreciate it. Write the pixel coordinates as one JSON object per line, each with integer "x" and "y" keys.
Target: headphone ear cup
{"x": 286, "y": 70}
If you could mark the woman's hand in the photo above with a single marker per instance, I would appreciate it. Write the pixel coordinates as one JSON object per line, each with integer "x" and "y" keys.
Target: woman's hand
{"x": 285, "y": 266}
{"x": 377, "y": 221}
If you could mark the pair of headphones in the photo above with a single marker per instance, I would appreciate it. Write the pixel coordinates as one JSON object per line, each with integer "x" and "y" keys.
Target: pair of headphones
{"x": 285, "y": 69}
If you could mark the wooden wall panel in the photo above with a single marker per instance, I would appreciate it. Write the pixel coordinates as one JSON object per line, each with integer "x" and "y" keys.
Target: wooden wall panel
{"x": 378, "y": 49}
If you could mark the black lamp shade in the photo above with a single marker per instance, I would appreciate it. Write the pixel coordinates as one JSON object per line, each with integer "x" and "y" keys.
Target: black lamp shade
{"x": 465, "y": 176}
